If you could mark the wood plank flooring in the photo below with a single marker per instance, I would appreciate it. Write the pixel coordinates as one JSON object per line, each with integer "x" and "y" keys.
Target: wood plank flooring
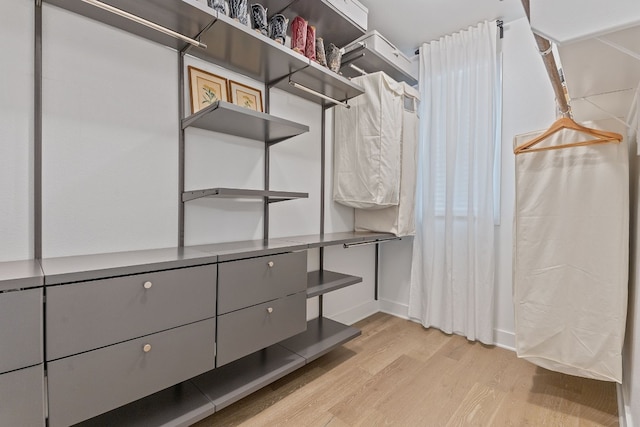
{"x": 398, "y": 373}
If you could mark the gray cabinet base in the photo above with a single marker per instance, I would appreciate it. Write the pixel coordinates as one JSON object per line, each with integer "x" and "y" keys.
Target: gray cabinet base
{"x": 196, "y": 399}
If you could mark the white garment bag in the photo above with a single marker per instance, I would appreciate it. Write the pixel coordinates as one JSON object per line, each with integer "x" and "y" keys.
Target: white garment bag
{"x": 367, "y": 145}
{"x": 571, "y": 256}
{"x": 401, "y": 219}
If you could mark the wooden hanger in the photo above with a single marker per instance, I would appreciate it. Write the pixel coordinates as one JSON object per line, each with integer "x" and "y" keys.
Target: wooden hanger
{"x": 601, "y": 137}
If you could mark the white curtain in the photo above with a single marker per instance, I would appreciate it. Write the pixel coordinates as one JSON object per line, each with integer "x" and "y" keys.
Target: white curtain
{"x": 452, "y": 274}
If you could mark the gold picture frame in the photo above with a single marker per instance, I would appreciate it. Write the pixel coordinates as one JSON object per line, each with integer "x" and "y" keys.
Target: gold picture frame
{"x": 245, "y": 96}
{"x": 206, "y": 88}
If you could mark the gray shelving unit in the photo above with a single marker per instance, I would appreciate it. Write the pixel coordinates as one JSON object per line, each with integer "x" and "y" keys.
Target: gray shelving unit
{"x": 320, "y": 282}
{"x": 239, "y": 193}
{"x": 232, "y": 119}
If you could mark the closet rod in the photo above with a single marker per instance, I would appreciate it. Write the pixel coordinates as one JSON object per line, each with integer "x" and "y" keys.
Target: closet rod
{"x": 370, "y": 242}
{"x": 144, "y": 22}
{"x": 544, "y": 47}
{"x": 318, "y": 94}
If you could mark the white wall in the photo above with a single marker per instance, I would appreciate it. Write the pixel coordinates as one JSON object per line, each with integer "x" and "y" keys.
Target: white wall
{"x": 16, "y": 129}
{"x": 528, "y": 105}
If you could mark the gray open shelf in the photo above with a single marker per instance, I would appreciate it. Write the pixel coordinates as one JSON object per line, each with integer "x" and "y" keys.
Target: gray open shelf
{"x": 239, "y": 193}
{"x": 230, "y": 383}
{"x": 322, "y": 336}
{"x": 239, "y": 121}
{"x": 186, "y": 17}
{"x": 331, "y": 25}
{"x": 323, "y": 281}
{"x": 371, "y": 61}
{"x": 181, "y": 405}
{"x": 340, "y": 238}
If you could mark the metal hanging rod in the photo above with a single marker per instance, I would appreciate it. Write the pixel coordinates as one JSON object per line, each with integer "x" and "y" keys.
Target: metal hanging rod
{"x": 144, "y": 22}
{"x": 318, "y": 94}
{"x": 370, "y": 242}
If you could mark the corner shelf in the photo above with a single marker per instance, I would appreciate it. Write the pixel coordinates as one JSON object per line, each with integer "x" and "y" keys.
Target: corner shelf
{"x": 232, "y": 119}
{"x": 322, "y": 336}
{"x": 324, "y": 281}
{"x": 239, "y": 193}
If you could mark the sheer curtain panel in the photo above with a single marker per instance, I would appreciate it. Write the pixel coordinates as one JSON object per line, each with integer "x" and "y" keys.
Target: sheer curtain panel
{"x": 452, "y": 274}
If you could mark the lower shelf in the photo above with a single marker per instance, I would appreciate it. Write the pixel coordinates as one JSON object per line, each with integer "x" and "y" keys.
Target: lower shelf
{"x": 322, "y": 336}
{"x": 196, "y": 399}
{"x": 323, "y": 281}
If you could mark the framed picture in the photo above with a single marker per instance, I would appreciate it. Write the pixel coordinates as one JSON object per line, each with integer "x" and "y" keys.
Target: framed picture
{"x": 245, "y": 96}
{"x": 206, "y": 88}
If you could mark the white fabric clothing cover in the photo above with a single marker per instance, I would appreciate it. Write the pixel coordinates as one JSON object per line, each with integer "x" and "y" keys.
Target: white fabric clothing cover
{"x": 452, "y": 273}
{"x": 367, "y": 145}
{"x": 571, "y": 253}
{"x": 399, "y": 220}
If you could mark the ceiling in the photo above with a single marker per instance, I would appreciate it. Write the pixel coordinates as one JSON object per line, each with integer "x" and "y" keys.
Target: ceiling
{"x": 409, "y": 23}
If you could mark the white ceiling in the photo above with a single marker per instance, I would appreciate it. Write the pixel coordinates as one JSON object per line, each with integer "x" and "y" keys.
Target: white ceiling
{"x": 408, "y": 23}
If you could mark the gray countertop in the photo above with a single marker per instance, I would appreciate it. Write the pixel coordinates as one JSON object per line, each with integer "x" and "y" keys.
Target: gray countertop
{"x": 20, "y": 274}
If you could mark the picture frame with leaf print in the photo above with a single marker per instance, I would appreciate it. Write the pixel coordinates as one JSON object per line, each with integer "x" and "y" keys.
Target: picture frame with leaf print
{"x": 245, "y": 96}
{"x": 206, "y": 88}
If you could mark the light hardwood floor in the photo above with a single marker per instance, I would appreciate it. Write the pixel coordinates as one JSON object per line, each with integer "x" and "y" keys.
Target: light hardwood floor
{"x": 398, "y": 373}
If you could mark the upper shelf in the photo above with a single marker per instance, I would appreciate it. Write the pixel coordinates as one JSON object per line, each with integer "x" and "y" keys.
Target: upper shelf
{"x": 229, "y": 44}
{"x": 241, "y": 193}
{"x": 186, "y": 17}
{"x": 331, "y": 24}
{"x": 239, "y": 121}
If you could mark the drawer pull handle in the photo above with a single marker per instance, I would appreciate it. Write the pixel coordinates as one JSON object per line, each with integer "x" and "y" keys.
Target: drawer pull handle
{"x": 270, "y": 310}
{"x": 146, "y": 348}
{"x": 270, "y": 264}
{"x": 148, "y": 285}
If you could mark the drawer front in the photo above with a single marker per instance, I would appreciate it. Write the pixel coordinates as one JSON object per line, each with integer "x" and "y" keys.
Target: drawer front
{"x": 22, "y": 397}
{"x": 88, "y": 315}
{"x": 252, "y": 281}
{"x": 246, "y": 331}
{"x": 353, "y": 10}
{"x": 88, "y": 384}
{"x": 20, "y": 329}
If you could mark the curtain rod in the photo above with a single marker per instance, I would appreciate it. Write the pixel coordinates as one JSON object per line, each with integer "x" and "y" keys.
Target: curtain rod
{"x": 144, "y": 22}
{"x": 499, "y": 24}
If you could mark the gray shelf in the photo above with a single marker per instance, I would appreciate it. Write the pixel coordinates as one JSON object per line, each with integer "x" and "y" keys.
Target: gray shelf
{"x": 323, "y": 281}
{"x": 371, "y": 61}
{"x": 322, "y": 80}
{"x": 230, "y": 383}
{"x": 20, "y": 275}
{"x": 332, "y": 239}
{"x": 239, "y": 121}
{"x": 232, "y": 251}
{"x": 186, "y": 17}
{"x": 239, "y": 193}
{"x": 181, "y": 405}
{"x": 322, "y": 336}
{"x": 330, "y": 24}
{"x": 98, "y": 266}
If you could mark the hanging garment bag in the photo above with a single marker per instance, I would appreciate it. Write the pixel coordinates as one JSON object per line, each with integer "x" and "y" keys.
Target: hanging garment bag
{"x": 571, "y": 251}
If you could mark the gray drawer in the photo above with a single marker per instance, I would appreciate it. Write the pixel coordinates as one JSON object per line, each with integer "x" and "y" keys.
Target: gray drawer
{"x": 88, "y": 384}
{"x": 20, "y": 329}
{"x": 88, "y": 315}
{"x": 22, "y": 397}
{"x": 252, "y": 281}
{"x": 246, "y": 331}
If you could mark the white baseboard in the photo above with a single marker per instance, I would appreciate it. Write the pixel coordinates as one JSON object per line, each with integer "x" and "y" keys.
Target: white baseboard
{"x": 355, "y": 314}
{"x": 505, "y": 339}
{"x": 624, "y": 411}
{"x": 394, "y": 308}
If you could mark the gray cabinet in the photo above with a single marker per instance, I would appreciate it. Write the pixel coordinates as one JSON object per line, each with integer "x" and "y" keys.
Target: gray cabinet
{"x": 20, "y": 329}
{"x": 22, "y": 397}
{"x": 87, "y": 315}
{"x": 88, "y": 384}
{"x": 252, "y": 281}
{"x": 245, "y": 331}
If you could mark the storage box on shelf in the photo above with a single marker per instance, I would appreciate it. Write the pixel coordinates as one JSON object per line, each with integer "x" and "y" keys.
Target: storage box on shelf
{"x": 21, "y": 351}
